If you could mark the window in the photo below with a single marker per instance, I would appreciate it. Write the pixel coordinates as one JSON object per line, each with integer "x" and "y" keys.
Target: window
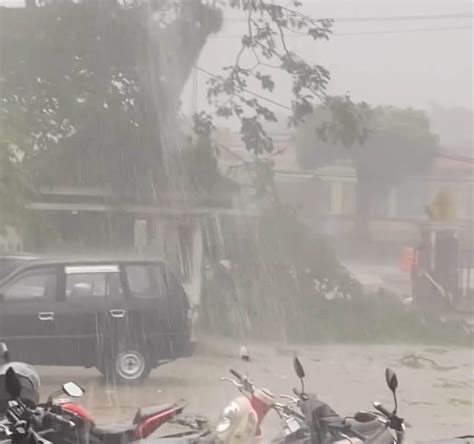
{"x": 168, "y": 286}
{"x": 139, "y": 281}
{"x": 93, "y": 285}
{"x": 39, "y": 283}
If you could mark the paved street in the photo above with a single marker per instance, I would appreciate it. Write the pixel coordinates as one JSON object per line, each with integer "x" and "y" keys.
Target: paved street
{"x": 436, "y": 390}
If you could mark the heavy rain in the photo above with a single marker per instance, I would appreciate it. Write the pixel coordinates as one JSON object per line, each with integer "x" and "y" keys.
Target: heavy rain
{"x": 236, "y": 221}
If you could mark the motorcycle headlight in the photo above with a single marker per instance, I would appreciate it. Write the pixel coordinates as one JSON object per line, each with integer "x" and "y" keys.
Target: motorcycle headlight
{"x": 228, "y": 416}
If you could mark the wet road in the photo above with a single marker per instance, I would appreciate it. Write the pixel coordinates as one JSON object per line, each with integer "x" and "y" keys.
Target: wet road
{"x": 436, "y": 389}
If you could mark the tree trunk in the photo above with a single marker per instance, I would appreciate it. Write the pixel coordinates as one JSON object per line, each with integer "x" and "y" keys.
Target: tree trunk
{"x": 364, "y": 195}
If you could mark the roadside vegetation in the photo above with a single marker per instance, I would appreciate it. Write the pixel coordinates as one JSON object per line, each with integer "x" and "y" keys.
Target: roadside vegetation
{"x": 282, "y": 284}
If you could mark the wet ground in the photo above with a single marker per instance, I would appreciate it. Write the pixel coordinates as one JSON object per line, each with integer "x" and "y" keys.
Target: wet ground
{"x": 436, "y": 385}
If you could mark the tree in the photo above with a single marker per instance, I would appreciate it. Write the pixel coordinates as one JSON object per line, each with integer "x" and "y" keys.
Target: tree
{"x": 97, "y": 90}
{"x": 97, "y": 83}
{"x": 15, "y": 187}
{"x": 399, "y": 143}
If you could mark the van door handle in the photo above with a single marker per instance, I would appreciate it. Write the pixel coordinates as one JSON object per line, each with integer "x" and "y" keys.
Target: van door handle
{"x": 46, "y": 316}
{"x": 117, "y": 313}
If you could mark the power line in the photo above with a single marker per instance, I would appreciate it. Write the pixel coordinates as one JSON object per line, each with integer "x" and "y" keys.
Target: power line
{"x": 405, "y": 18}
{"x": 337, "y": 34}
{"x": 281, "y": 105}
{"x": 402, "y": 31}
{"x": 399, "y": 18}
{"x": 457, "y": 158}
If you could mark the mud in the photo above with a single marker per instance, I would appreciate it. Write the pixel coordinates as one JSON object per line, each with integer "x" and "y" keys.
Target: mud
{"x": 436, "y": 385}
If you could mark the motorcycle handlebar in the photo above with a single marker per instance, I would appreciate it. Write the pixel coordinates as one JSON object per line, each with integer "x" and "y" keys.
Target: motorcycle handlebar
{"x": 382, "y": 409}
{"x": 232, "y": 381}
{"x": 290, "y": 398}
{"x": 301, "y": 395}
{"x": 236, "y": 374}
{"x": 60, "y": 420}
{"x": 286, "y": 409}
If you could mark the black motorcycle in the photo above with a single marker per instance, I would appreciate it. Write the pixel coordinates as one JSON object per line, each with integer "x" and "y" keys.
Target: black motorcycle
{"x": 24, "y": 421}
{"x": 318, "y": 423}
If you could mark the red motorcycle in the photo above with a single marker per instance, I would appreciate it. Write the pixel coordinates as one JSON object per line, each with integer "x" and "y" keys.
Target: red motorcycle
{"x": 147, "y": 420}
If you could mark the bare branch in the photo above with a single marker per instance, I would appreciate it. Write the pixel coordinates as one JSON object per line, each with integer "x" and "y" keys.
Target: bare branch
{"x": 267, "y": 26}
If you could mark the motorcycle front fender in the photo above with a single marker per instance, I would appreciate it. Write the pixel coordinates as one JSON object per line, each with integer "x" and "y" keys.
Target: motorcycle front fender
{"x": 243, "y": 428}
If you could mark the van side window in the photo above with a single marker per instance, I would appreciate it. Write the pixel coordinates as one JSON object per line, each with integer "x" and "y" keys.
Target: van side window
{"x": 162, "y": 281}
{"x": 93, "y": 285}
{"x": 35, "y": 284}
{"x": 170, "y": 287}
{"x": 140, "y": 281}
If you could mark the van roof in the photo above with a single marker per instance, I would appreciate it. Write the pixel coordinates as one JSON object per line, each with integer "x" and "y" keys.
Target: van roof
{"x": 84, "y": 260}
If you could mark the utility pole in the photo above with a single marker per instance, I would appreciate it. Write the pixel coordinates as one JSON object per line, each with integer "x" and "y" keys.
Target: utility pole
{"x": 194, "y": 91}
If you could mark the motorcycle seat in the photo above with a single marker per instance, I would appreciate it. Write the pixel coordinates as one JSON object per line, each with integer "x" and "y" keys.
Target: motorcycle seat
{"x": 113, "y": 431}
{"x": 366, "y": 428}
{"x": 144, "y": 413}
{"x": 336, "y": 423}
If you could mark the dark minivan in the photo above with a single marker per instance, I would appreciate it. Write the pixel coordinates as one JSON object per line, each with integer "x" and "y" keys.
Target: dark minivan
{"x": 10, "y": 262}
{"x": 123, "y": 317}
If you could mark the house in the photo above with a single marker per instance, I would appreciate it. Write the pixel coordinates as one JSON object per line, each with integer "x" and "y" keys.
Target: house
{"x": 326, "y": 197}
{"x": 92, "y": 220}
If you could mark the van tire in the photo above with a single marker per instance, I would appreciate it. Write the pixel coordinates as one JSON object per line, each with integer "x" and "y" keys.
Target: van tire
{"x": 126, "y": 364}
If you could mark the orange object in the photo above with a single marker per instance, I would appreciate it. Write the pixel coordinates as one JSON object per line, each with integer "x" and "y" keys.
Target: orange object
{"x": 408, "y": 259}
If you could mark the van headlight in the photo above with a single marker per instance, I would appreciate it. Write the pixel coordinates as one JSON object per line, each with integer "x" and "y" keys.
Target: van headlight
{"x": 228, "y": 416}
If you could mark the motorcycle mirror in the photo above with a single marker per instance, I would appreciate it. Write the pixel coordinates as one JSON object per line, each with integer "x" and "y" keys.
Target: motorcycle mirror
{"x": 73, "y": 390}
{"x": 12, "y": 384}
{"x": 299, "y": 370}
{"x": 392, "y": 380}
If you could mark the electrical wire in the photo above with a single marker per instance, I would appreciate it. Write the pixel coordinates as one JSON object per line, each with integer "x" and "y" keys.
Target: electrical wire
{"x": 274, "y": 102}
{"x": 457, "y": 158}
{"x": 399, "y": 18}
{"x": 281, "y": 105}
{"x": 339, "y": 34}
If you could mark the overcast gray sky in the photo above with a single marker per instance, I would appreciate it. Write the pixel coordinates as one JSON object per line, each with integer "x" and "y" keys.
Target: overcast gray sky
{"x": 400, "y": 62}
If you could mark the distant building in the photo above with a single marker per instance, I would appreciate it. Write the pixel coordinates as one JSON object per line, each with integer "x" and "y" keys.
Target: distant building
{"x": 326, "y": 197}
